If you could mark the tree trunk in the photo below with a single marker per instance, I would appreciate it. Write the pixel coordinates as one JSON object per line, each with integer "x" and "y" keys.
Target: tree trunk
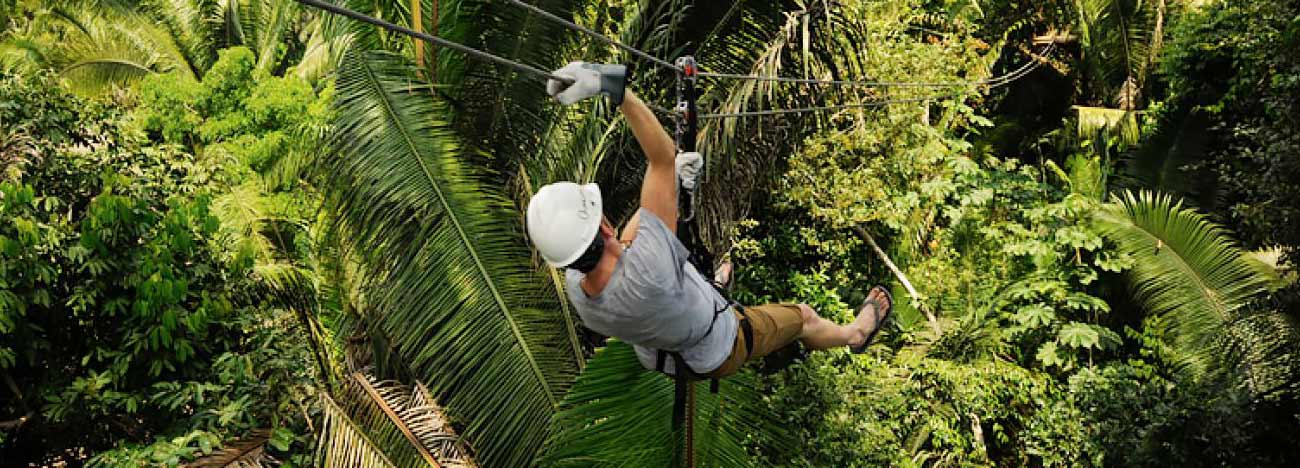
{"x": 902, "y": 278}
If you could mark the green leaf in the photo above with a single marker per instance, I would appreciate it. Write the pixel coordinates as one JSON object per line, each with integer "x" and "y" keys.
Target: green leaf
{"x": 619, "y": 414}
{"x": 1048, "y": 355}
{"x": 281, "y": 439}
{"x": 1035, "y": 316}
{"x": 1078, "y": 335}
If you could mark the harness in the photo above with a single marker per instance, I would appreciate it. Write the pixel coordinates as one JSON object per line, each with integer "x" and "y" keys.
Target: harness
{"x": 684, "y": 374}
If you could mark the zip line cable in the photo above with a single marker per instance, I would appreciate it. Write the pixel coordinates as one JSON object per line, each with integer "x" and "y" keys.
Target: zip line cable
{"x": 802, "y": 110}
{"x": 876, "y": 84}
{"x": 744, "y": 77}
{"x": 1004, "y": 80}
{"x": 598, "y": 36}
{"x": 435, "y": 40}
{"x": 991, "y": 82}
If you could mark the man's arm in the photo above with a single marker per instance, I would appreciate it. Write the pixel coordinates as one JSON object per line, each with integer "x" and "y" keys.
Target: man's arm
{"x": 659, "y": 189}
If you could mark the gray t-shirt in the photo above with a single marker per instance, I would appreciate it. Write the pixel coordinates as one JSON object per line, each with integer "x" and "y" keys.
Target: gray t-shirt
{"x": 657, "y": 300}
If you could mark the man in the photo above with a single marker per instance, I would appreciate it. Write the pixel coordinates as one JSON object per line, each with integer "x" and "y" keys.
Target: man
{"x": 638, "y": 286}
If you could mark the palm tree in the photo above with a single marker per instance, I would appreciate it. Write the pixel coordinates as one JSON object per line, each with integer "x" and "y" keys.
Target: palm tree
{"x": 461, "y": 300}
{"x": 97, "y": 44}
{"x": 1199, "y": 286}
{"x": 93, "y": 48}
{"x": 1120, "y": 41}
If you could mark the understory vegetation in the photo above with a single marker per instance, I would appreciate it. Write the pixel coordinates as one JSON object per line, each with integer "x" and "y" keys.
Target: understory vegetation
{"x": 249, "y": 233}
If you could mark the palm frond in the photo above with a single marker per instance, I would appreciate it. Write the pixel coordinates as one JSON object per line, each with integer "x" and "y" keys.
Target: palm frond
{"x": 618, "y": 414}
{"x": 405, "y": 422}
{"x": 327, "y": 41}
{"x": 247, "y": 452}
{"x": 1119, "y": 38}
{"x": 1266, "y": 345}
{"x": 116, "y": 50}
{"x": 263, "y": 26}
{"x": 1101, "y": 122}
{"x": 1166, "y": 159}
{"x": 194, "y": 25}
{"x": 495, "y": 107}
{"x": 1188, "y": 273}
{"x": 342, "y": 442}
{"x": 451, "y": 273}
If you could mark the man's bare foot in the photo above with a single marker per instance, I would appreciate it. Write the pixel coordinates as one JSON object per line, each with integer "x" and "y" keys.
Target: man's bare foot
{"x": 872, "y": 314}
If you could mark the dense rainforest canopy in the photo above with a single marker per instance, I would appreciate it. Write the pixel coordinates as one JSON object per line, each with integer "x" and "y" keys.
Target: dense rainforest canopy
{"x": 250, "y": 233}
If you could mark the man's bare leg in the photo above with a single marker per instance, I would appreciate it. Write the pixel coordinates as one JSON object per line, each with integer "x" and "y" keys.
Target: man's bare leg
{"x": 819, "y": 333}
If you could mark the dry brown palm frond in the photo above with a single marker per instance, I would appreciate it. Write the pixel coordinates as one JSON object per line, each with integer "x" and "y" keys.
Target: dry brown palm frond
{"x": 248, "y": 452}
{"x": 343, "y": 443}
{"x": 437, "y": 432}
{"x": 405, "y": 422}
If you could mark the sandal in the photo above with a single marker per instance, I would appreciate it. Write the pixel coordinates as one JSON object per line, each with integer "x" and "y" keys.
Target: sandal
{"x": 880, "y": 317}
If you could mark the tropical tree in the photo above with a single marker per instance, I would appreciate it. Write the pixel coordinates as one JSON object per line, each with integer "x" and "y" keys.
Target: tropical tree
{"x": 1190, "y": 276}
{"x": 96, "y": 44}
{"x": 1120, "y": 43}
{"x": 459, "y": 297}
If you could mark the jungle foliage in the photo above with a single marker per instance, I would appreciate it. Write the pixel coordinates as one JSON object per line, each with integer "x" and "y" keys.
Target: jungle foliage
{"x": 246, "y": 233}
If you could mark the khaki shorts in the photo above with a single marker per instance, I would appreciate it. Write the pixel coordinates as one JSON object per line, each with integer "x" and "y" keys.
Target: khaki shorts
{"x": 775, "y": 326}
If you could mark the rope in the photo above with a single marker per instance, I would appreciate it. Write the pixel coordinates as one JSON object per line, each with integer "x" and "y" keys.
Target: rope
{"x": 435, "y": 40}
{"x": 598, "y": 36}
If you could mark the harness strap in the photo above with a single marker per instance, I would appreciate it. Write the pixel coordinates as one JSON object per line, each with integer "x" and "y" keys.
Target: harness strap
{"x": 681, "y": 385}
{"x": 747, "y": 328}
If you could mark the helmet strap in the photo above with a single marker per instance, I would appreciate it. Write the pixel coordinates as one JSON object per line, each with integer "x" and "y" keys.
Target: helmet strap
{"x": 589, "y": 258}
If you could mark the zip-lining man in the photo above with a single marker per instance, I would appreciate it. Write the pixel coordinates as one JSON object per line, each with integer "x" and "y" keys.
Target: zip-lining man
{"x": 638, "y": 286}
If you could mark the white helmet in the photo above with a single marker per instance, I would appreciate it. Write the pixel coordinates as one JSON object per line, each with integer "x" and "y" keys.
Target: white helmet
{"x": 563, "y": 219}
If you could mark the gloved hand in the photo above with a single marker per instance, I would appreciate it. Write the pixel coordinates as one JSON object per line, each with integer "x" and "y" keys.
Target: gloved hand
{"x": 689, "y": 166}
{"x": 589, "y": 79}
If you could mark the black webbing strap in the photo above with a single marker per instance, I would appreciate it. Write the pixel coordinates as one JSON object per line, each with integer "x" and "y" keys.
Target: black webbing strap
{"x": 747, "y": 328}
{"x": 682, "y": 376}
{"x": 687, "y": 129}
{"x": 681, "y": 384}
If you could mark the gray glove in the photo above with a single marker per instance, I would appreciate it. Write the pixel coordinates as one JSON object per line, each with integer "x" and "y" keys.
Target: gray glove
{"x": 688, "y": 168}
{"x": 589, "y": 79}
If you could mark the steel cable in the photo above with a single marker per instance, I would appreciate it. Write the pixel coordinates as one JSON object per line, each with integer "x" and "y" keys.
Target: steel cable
{"x": 879, "y": 84}
{"x": 435, "y": 40}
{"x": 992, "y": 82}
{"x": 802, "y": 110}
{"x": 598, "y": 36}
{"x": 1003, "y": 80}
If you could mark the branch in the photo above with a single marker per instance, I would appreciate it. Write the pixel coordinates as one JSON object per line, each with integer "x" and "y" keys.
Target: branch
{"x": 902, "y": 278}
{"x": 1055, "y": 36}
{"x": 395, "y": 418}
{"x": 16, "y": 423}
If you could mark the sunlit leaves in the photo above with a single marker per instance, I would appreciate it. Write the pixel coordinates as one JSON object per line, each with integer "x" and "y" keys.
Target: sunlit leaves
{"x": 619, "y": 414}
{"x": 1035, "y": 316}
{"x": 1187, "y": 271}
{"x": 1079, "y": 335}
